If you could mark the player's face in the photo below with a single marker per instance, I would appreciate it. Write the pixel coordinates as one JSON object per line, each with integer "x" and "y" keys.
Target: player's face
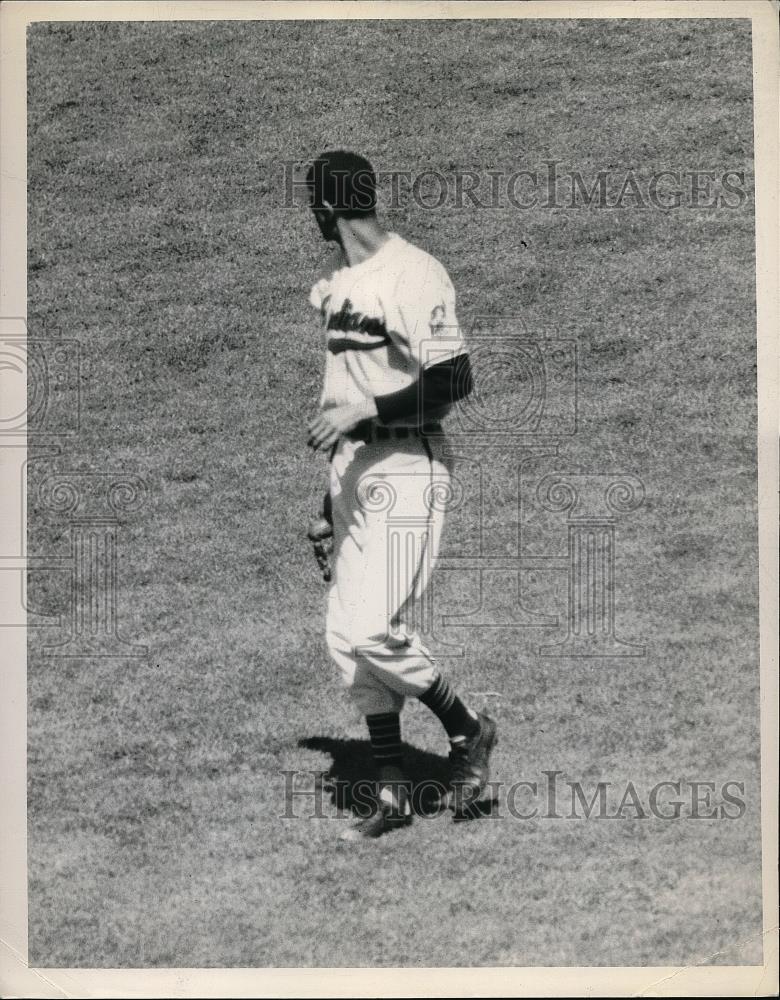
{"x": 326, "y": 220}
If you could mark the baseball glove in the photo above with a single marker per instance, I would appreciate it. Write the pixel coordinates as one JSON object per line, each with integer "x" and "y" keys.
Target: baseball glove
{"x": 320, "y": 534}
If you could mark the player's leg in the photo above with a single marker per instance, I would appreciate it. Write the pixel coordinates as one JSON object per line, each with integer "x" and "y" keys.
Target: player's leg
{"x": 395, "y": 532}
{"x": 368, "y": 590}
{"x": 401, "y": 568}
{"x": 391, "y": 808}
{"x": 472, "y": 734}
{"x": 472, "y": 737}
{"x": 388, "y": 553}
{"x": 380, "y": 705}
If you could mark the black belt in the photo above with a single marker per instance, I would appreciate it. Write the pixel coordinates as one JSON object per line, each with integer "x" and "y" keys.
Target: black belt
{"x": 378, "y": 432}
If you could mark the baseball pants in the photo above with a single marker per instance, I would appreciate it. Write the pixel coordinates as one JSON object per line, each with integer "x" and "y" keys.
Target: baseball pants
{"x": 387, "y": 520}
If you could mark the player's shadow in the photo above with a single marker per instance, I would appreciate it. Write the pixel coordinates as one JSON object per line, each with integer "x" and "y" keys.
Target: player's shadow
{"x": 352, "y": 768}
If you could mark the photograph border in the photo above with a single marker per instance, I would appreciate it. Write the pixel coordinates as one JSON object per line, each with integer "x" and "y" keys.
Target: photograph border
{"x": 16, "y": 977}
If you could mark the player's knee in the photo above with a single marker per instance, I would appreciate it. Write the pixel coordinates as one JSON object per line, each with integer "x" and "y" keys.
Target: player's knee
{"x": 376, "y": 637}
{"x": 401, "y": 662}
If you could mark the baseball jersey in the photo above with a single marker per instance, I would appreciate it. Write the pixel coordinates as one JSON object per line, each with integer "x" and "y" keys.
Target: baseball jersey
{"x": 385, "y": 320}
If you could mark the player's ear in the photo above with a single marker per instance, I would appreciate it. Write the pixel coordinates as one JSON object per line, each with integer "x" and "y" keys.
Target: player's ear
{"x": 328, "y": 210}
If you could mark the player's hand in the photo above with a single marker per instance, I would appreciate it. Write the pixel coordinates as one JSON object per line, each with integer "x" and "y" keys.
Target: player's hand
{"x": 331, "y": 423}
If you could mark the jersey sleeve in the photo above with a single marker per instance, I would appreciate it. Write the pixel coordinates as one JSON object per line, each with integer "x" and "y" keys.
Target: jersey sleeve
{"x": 424, "y": 317}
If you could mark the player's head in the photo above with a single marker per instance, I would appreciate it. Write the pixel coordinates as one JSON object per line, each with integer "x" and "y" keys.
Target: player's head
{"x": 342, "y": 185}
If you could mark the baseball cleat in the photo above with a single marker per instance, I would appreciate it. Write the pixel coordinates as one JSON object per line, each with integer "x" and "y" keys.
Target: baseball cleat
{"x": 470, "y": 768}
{"x": 386, "y": 817}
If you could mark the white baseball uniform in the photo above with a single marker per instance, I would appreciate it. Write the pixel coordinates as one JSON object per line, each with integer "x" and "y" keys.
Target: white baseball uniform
{"x": 385, "y": 319}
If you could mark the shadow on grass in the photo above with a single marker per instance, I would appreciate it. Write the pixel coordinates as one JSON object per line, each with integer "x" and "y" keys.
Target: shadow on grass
{"x": 352, "y": 764}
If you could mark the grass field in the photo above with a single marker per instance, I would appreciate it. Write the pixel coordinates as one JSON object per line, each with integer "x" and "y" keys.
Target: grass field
{"x": 158, "y": 239}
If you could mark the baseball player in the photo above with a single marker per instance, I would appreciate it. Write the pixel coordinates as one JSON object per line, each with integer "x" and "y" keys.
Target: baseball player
{"x": 395, "y": 364}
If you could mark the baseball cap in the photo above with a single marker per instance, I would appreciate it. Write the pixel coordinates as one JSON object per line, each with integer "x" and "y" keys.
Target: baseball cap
{"x": 345, "y": 180}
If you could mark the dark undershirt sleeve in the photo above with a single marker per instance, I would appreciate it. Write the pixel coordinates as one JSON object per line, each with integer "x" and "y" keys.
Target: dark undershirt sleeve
{"x": 438, "y": 386}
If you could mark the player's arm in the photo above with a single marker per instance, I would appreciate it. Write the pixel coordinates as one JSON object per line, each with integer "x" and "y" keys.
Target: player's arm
{"x": 427, "y": 316}
{"x": 438, "y": 386}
